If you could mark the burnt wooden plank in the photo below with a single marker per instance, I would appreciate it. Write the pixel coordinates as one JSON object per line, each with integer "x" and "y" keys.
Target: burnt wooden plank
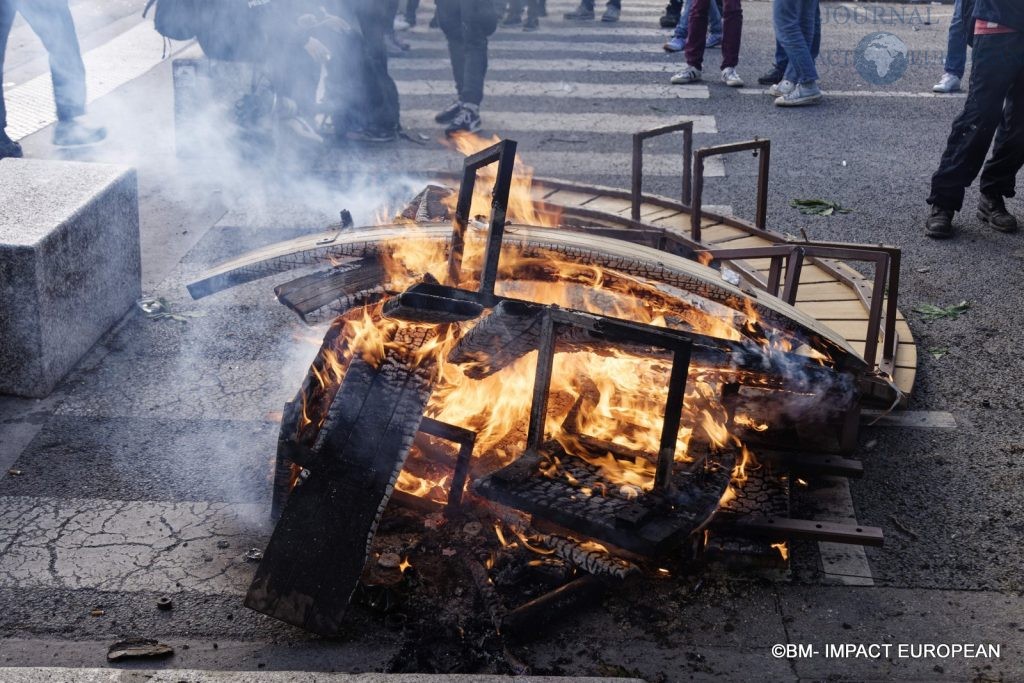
{"x": 312, "y": 292}
{"x": 315, "y": 557}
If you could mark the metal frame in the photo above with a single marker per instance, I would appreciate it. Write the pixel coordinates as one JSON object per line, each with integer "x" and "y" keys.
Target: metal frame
{"x": 760, "y": 148}
{"x": 886, "y": 260}
{"x": 466, "y": 440}
{"x": 504, "y": 154}
{"x": 679, "y": 344}
{"x": 636, "y": 193}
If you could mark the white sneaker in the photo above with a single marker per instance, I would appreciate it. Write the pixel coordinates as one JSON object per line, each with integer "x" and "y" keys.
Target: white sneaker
{"x": 688, "y": 75}
{"x": 401, "y": 24}
{"x": 948, "y": 83}
{"x": 800, "y": 96}
{"x": 731, "y": 78}
{"x": 782, "y": 88}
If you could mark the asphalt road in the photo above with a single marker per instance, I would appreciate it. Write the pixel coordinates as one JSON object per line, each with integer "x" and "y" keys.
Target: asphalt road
{"x": 949, "y": 500}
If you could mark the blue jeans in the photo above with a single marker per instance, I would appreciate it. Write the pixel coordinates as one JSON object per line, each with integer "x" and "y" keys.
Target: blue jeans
{"x": 51, "y": 21}
{"x": 798, "y": 31}
{"x": 956, "y": 43}
{"x": 714, "y": 21}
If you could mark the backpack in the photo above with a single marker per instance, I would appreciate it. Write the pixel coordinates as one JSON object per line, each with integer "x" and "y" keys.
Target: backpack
{"x": 174, "y": 19}
{"x": 235, "y": 30}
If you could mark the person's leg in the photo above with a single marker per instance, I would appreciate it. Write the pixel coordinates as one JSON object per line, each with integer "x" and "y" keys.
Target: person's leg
{"x": 6, "y": 21}
{"x": 956, "y": 43}
{"x": 449, "y": 17}
{"x": 998, "y": 177}
{"x": 714, "y": 21}
{"x": 376, "y": 19}
{"x": 480, "y": 19}
{"x": 974, "y": 129}
{"x": 684, "y": 21}
{"x": 732, "y": 32}
{"x": 697, "y": 33}
{"x": 787, "y": 17}
{"x": 51, "y": 20}
{"x": 816, "y": 39}
{"x": 617, "y": 4}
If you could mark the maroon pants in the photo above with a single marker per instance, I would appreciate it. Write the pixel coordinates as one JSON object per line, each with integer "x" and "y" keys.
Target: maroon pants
{"x": 697, "y": 33}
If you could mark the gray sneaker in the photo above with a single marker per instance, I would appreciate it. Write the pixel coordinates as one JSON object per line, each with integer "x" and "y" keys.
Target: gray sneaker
{"x": 688, "y": 75}
{"x": 802, "y": 95}
{"x": 782, "y": 88}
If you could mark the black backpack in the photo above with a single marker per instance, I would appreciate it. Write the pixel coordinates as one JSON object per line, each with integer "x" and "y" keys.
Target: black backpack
{"x": 175, "y": 19}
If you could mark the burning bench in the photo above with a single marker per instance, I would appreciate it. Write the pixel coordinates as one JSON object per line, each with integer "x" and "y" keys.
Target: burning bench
{"x": 601, "y": 394}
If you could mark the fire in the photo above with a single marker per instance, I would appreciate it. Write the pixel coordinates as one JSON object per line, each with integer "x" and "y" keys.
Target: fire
{"x": 606, "y": 407}
{"x": 783, "y": 550}
{"x": 521, "y": 205}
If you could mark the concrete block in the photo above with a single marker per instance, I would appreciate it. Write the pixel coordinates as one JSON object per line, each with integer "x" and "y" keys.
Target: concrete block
{"x": 70, "y": 265}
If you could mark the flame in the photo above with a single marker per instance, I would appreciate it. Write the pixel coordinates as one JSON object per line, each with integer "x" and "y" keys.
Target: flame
{"x": 522, "y": 208}
{"x": 405, "y": 564}
{"x": 606, "y": 407}
{"x": 783, "y": 550}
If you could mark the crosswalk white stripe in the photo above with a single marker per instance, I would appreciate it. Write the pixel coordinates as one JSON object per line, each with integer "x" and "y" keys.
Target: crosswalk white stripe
{"x": 569, "y": 124}
{"x": 562, "y": 29}
{"x": 534, "y": 46}
{"x": 868, "y": 93}
{"x": 500, "y": 65}
{"x": 563, "y": 89}
{"x": 561, "y": 164}
{"x": 30, "y": 106}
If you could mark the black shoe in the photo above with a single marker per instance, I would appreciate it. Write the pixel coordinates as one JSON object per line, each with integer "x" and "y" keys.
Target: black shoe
{"x": 772, "y": 77}
{"x": 669, "y": 20}
{"x": 373, "y": 135}
{"x": 581, "y": 13}
{"x": 531, "y": 24}
{"x": 466, "y": 121}
{"x": 448, "y": 114}
{"x": 542, "y": 8}
{"x": 9, "y": 149}
{"x": 512, "y": 20}
{"x": 611, "y": 14}
{"x": 992, "y": 210}
{"x": 940, "y": 223}
{"x": 73, "y": 134}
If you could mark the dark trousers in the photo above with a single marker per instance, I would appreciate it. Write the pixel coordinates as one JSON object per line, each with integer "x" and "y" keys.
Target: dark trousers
{"x": 697, "y": 33}
{"x": 51, "y": 21}
{"x": 467, "y": 24}
{"x": 376, "y": 18}
{"x": 515, "y": 8}
{"x": 994, "y": 108}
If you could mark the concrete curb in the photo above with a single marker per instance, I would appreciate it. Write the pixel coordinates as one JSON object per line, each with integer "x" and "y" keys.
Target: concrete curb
{"x": 66, "y": 675}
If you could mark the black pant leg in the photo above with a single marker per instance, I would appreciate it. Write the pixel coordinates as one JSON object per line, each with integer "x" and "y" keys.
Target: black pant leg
{"x": 51, "y": 20}
{"x": 973, "y": 130}
{"x": 998, "y": 177}
{"x": 6, "y": 21}
{"x": 479, "y": 20}
{"x": 449, "y": 18}
{"x": 376, "y": 19}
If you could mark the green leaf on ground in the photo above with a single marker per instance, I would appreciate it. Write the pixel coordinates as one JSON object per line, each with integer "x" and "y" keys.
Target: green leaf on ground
{"x": 938, "y": 353}
{"x": 932, "y": 312}
{"x": 817, "y": 207}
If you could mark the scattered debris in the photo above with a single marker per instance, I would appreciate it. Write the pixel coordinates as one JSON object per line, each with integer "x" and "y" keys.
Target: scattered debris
{"x": 97, "y": 612}
{"x": 932, "y": 312}
{"x": 731, "y": 276}
{"x": 159, "y": 309}
{"x": 924, "y": 269}
{"x": 902, "y": 527}
{"x": 223, "y": 544}
{"x": 938, "y": 352}
{"x": 472, "y": 528}
{"x": 817, "y": 207}
{"x": 15, "y": 472}
{"x": 253, "y": 555}
{"x": 164, "y": 603}
{"x": 138, "y": 648}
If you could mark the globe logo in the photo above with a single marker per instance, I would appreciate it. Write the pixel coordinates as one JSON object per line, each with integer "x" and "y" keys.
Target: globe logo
{"x": 881, "y": 58}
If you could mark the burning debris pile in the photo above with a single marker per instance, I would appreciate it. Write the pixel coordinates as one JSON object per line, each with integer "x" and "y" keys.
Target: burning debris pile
{"x": 553, "y": 410}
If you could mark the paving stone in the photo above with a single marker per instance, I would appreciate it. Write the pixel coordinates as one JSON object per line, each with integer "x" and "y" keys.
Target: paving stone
{"x": 69, "y": 265}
